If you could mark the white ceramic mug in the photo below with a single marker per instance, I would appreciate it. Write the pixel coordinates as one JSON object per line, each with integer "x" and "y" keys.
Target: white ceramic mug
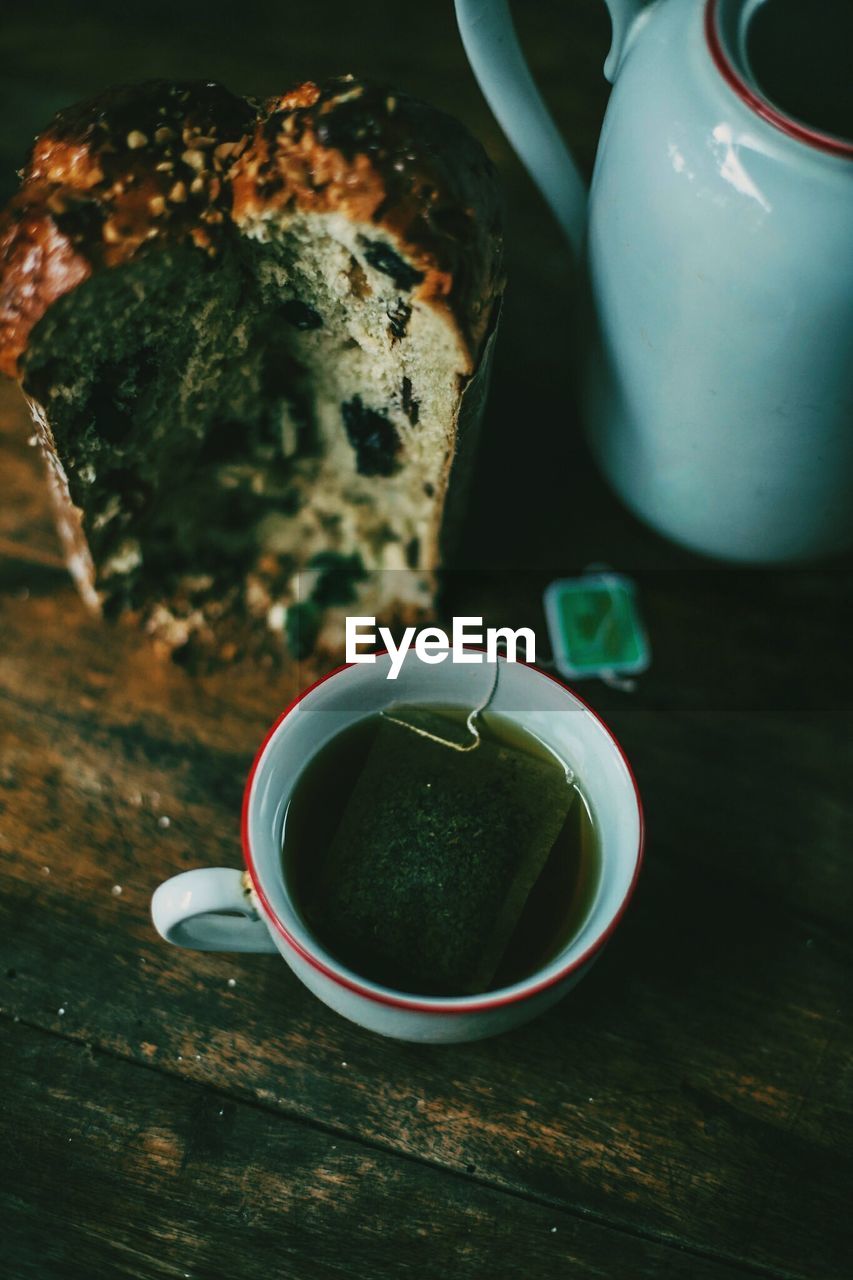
{"x": 220, "y": 909}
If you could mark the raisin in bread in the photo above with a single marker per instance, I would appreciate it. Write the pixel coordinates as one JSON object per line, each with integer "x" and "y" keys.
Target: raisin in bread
{"x": 253, "y": 340}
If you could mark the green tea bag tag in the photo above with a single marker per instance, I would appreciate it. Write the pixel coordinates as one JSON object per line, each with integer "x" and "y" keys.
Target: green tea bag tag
{"x": 595, "y": 627}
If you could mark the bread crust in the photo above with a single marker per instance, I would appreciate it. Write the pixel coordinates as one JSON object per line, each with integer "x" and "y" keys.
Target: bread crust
{"x": 179, "y": 161}
{"x": 161, "y": 164}
{"x": 105, "y": 179}
{"x": 381, "y": 157}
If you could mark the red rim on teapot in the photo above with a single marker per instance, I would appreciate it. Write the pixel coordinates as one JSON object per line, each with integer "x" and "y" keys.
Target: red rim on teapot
{"x": 733, "y": 73}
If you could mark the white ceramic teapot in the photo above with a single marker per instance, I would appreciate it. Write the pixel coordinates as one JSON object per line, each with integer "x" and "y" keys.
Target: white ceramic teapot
{"x": 717, "y": 243}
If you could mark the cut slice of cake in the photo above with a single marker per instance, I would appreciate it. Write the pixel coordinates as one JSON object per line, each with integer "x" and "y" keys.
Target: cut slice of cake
{"x": 254, "y": 341}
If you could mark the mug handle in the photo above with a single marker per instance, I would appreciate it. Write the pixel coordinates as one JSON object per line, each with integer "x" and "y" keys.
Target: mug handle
{"x": 209, "y": 909}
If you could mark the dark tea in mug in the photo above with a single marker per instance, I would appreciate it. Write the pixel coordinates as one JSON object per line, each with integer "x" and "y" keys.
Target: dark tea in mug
{"x": 438, "y": 871}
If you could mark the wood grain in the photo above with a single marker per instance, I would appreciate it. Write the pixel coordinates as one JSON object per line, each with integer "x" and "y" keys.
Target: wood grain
{"x": 683, "y": 1091}
{"x": 166, "y": 1179}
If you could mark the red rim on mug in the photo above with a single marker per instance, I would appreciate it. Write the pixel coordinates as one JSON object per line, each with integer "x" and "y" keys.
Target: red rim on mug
{"x": 447, "y": 1004}
{"x": 760, "y": 105}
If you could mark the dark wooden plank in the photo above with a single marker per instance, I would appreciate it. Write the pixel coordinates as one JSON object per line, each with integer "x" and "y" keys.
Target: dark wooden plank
{"x": 114, "y": 1171}
{"x": 686, "y": 1089}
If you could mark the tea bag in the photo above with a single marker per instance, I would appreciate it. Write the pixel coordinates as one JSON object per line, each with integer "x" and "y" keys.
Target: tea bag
{"x": 437, "y": 851}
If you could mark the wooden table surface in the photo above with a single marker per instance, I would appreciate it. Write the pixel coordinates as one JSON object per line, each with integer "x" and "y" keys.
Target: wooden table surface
{"x": 686, "y": 1112}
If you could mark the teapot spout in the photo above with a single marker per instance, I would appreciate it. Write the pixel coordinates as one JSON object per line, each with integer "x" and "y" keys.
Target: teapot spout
{"x": 627, "y": 18}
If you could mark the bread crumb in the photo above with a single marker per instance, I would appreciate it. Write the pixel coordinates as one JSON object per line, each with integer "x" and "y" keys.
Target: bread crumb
{"x": 232, "y": 982}
{"x": 116, "y": 891}
{"x": 136, "y": 139}
{"x": 164, "y": 822}
{"x": 193, "y": 158}
{"x": 45, "y": 871}
{"x": 276, "y": 616}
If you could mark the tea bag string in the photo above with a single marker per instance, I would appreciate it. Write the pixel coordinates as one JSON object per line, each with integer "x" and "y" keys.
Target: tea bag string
{"x": 470, "y": 722}
{"x": 471, "y": 726}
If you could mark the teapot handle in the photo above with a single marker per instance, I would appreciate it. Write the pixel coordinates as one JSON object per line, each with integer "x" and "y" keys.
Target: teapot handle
{"x": 491, "y": 43}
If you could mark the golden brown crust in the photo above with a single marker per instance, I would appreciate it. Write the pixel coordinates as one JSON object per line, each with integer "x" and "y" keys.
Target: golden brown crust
{"x": 163, "y": 161}
{"x": 107, "y": 177}
{"x": 39, "y": 265}
{"x": 380, "y": 157}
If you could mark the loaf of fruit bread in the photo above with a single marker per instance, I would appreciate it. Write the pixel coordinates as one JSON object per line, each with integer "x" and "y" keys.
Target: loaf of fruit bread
{"x": 253, "y": 339}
